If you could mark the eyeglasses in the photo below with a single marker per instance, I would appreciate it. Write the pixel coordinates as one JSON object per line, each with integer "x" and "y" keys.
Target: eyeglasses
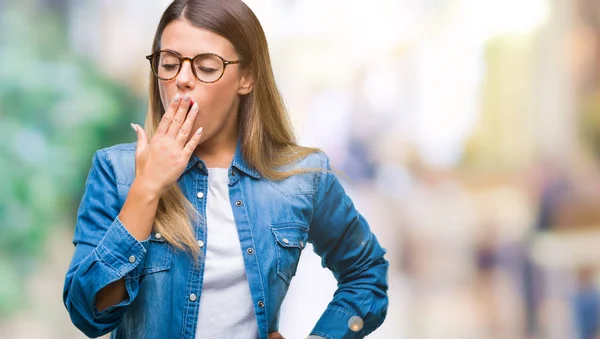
{"x": 206, "y": 67}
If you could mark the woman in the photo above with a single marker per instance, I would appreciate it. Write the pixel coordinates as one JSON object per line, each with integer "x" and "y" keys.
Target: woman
{"x": 196, "y": 230}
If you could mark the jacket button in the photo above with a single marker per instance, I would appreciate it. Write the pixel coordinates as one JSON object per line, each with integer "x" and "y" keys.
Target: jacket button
{"x": 193, "y": 297}
{"x": 200, "y": 195}
{"x": 355, "y": 323}
{"x": 286, "y": 241}
{"x": 261, "y": 304}
{"x": 158, "y": 235}
{"x": 200, "y": 243}
{"x": 250, "y": 250}
{"x": 132, "y": 259}
{"x": 238, "y": 203}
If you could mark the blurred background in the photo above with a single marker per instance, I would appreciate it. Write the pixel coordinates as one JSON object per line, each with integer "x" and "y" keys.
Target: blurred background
{"x": 468, "y": 132}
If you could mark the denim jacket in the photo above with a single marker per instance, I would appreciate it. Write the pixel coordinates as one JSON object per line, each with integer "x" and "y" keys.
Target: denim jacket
{"x": 275, "y": 221}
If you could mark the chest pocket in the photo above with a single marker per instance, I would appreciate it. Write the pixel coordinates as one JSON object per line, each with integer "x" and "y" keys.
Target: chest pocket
{"x": 158, "y": 255}
{"x": 290, "y": 240}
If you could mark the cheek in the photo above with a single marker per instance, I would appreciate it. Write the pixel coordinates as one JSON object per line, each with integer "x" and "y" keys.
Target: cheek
{"x": 216, "y": 100}
{"x": 163, "y": 90}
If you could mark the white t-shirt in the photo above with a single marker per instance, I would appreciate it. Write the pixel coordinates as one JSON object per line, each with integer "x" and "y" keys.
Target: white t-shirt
{"x": 226, "y": 308}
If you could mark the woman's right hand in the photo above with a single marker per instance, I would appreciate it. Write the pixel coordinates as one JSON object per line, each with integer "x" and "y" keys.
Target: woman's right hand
{"x": 162, "y": 160}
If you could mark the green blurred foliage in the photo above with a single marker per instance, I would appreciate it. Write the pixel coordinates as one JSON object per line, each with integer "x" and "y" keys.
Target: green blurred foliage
{"x": 56, "y": 109}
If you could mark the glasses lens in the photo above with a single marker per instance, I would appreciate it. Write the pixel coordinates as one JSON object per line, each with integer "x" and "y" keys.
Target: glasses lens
{"x": 209, "y": 68}
{"x": 166, "y": 65}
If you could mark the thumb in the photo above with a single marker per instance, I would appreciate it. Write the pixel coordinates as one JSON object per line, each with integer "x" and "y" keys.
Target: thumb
{"x": 142, "y": 139}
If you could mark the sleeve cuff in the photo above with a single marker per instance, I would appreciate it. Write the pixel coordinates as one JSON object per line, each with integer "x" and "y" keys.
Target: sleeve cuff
{"x": 338, "y": 323}
{"x": 121, "y": 251}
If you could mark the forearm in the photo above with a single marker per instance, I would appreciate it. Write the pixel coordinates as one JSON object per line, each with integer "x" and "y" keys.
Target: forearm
{"x": 139, "y": 210}
{"x": 103, "y": 279}
{"x": 137, "y": 215}
{"x": 111, "y": 295}
{"x": 359, "y": 305}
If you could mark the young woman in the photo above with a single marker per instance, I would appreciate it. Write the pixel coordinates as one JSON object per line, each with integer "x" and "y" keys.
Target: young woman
{"x": 196, "y": 230}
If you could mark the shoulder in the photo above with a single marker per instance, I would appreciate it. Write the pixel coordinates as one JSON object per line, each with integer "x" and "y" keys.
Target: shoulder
{"x": 315, "y": 162}
{"x": 118, "y": 159}
{"x": 305, "y": 174}
{"x": 118, "y": 150}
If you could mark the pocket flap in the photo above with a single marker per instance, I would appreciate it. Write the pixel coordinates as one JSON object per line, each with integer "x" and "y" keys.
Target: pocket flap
{"x": 290, "y": 235}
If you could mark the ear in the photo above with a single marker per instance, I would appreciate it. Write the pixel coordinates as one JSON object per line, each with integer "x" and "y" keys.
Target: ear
{"x": 246, "y": 82}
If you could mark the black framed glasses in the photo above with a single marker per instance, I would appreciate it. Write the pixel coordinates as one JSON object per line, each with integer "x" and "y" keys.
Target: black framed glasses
{"x": 207, "y": 67}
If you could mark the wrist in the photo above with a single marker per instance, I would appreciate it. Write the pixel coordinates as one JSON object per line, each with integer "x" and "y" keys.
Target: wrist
{"x": 145, "y": 190}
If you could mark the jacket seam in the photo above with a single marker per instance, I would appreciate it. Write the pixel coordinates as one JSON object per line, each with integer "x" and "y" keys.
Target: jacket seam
{"x": 319, "y": 178}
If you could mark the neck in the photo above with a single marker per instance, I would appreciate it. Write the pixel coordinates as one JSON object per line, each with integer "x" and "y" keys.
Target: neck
{"x": 218, "y": 151}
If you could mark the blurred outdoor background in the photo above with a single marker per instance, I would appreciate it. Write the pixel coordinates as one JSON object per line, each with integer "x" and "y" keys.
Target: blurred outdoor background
{"x": 468, "y": 132}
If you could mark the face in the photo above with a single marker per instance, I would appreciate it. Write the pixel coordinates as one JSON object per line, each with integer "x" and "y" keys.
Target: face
{"x": 217, "y": 102}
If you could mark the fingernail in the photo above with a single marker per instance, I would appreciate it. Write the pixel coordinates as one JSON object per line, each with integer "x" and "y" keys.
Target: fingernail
{"x": 134, "y": 127}
{"x": 199, "y": 131}
{"x": 177, "y": 97}
{"x": 186, "y": 98}
{"x": 195, "y": 107}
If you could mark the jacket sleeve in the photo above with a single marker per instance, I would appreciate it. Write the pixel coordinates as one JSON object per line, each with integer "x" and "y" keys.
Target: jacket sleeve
{"x": 343, "y": 240}
{"x": 104, "y": 252}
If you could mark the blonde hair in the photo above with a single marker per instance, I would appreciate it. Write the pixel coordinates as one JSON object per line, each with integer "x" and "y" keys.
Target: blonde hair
{"x": 266, "y": 135}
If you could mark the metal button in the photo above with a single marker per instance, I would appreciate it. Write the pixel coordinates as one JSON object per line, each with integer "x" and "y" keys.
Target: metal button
{"x": 132, "y": 259}
{"x": 250, "y": 250}
{"x": 355, "y": 323}
{"x": 261, "y": 304}
{"x": 200, "y": 166}
{"x": 233, "y": 173}
{"x": 200, "y": 243}
{"x": 238, "y": 203}
{"x": 158, "y": 235}
{"x": 286, "y": 241}
{"x": 193, "y": 297}
{"x": 200, "y": 195}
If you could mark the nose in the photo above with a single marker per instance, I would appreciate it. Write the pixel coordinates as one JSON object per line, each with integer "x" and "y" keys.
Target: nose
{"x": 186, "y": 78}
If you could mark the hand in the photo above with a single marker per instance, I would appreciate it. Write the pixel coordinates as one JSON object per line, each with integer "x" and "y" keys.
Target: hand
{"x": 160, "y": 162}
{"x": 275, "y": 335}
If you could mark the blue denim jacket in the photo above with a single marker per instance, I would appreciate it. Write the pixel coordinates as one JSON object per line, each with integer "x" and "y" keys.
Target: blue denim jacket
{"x": 275, "y": 221}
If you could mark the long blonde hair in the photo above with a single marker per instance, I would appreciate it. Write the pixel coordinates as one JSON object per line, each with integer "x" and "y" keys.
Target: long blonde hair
{"x": 266, "y": 135}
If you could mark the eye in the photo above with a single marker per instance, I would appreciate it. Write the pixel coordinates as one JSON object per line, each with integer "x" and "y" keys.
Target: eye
{"x": 207, "y": 69}
{"x": 170, "y": 67}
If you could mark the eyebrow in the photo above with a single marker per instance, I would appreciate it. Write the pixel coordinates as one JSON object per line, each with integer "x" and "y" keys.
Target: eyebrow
{"x": 181, "y": 54}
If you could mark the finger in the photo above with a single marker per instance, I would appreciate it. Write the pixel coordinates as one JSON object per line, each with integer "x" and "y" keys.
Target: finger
{"x": 179, "y": 117}
{"x": 163, "y": 127}
{"x": 192, "y": 144}
{"x": 142, "y": 139}
{"x": 187, "y": 126}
